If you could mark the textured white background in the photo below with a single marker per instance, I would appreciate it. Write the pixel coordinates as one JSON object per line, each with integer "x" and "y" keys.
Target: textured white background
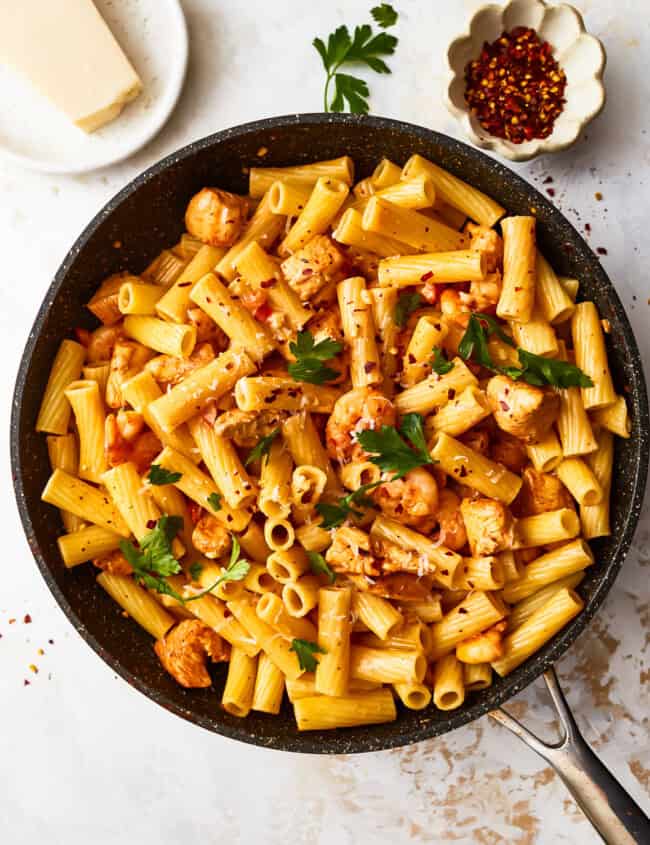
{"x": 85, "y": 758}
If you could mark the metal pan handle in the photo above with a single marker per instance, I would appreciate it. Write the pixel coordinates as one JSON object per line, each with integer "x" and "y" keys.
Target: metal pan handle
{"x": 615, "y": 815}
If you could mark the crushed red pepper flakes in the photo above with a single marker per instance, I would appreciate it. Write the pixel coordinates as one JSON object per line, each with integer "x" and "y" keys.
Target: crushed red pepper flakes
{"x": 598, "y": 196}
{"x": 26, "y": 683}
{"x": 27, "y": 619}
{"x": 515, "y": 87}
{"x": 601, "y": 250}
{"x": 12, "y": 620}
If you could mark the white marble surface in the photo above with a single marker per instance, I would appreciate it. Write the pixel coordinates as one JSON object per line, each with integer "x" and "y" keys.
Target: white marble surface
{"x": 85, "y": 758}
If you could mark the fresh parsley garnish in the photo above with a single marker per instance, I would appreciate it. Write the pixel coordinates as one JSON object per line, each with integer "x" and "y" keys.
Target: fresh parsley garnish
{"x": 305, "y": 651}
{"x": 319, "y": 566}
{"x": 539, "y": 371}
{"x": 154, "y": 561}
{"x": 214, "y": 500}
{"x": 391, "y": 452}
{"x": 335, "y": 515}
{"x": 384, "y": 15}
{"x": 310, "y": 356}
{"x": 407, "y": 303}
{"x": 262, "y": 447}
{"x": 533, "y": 369}
{"x": 195, "y": 571}
{"x": 439, "y": 363}
{"x": 160, "y": 475}
{"x": 364, "y": 49}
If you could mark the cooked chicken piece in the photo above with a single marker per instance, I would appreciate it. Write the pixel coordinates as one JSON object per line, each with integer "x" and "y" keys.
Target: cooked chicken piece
{"x": 101, "y": 343}
{"x": 489, "y": 524}
{"x": 210, "y": 537}
{"x": 485, "y": 294}
{"x": 184, "y": 651}
{"x": 488, "y": 241}
{"x": 216, "y": 217}
{"x": 509, "y": 451}
{"x": 125, "y": 440}
{"x": 394, "y": 558}
{"x": 357, "y": 410}
{"x": 114, "y": 563}
{"x": 521, "y": 409}
{"x": 207, "y": 330}
{"x": 350, "y": 552}
{"x": 127, "y": 360}
{"x": 452, "y": 532}
{"x": 411, "y": 500}
{"x": 314, "y": 266}
{"x": 326, "y": 324}
{"x": 484, "y": 647}
{"x": 541, "y": 492}
{"x": 169, "y": 370}
{"x": 246, "y": 428}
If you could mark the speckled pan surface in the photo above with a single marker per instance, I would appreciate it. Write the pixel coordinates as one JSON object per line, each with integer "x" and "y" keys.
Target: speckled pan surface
{"x": 147, "y": 216}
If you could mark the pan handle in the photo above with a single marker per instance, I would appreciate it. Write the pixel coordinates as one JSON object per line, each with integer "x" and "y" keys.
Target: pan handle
{"x": 615, "y": 815}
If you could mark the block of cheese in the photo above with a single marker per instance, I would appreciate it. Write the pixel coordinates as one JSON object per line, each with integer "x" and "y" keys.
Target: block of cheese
{"x": 67, "y": 51}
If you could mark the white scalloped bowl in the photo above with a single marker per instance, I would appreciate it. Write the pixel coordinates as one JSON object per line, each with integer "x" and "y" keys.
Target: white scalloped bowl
{"x": 581, "y": 56}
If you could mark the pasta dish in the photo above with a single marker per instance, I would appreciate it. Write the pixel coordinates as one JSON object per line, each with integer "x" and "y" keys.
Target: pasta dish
{"x": 350, "y": 438}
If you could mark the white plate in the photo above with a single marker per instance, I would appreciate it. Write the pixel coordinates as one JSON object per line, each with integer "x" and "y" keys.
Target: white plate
{"x": 35, "y": 134}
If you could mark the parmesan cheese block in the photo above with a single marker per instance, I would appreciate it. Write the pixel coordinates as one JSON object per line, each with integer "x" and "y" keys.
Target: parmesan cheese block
{"x": 67, "y": 51}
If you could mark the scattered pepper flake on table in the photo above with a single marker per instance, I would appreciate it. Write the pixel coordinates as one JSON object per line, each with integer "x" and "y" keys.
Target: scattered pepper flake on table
{"x": 27, "y": 619}
{"x": 515, "y": 87}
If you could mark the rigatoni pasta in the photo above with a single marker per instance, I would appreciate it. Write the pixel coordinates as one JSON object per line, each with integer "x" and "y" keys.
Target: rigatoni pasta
{"x": 301, "y": 443}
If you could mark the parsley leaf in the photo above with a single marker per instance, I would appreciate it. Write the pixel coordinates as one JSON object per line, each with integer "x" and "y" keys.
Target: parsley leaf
{"x": 195, "y": 571}
{"x": 335, "y": 515}
{"x": 309, "y": 356}
{"x": 391, "y": 453}
{"x": 384, "y": 15}
{"x": 153, "y": 560}
{"x": 440, "y": 364}
{"x": 474, "y": 344}
{"x": 365, "y": 49}
{"x": 539, "y": 371}
{"x": 262, "y": 447}
{"x": 406, "y": 305}
{"x": 236, "y": 570}
{"x": 305, "y": 651}
{"x": 533, "y": 369}
{"x": 214, "y": 500}
{"x": 160, "y": 475}
{"x": 319, "y": 566}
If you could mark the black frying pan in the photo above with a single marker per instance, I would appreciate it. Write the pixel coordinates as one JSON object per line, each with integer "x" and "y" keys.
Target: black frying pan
{"x": 147, "y": 216}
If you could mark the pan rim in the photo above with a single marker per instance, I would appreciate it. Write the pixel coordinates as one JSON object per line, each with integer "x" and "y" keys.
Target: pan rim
{"x": 507, "y": 687}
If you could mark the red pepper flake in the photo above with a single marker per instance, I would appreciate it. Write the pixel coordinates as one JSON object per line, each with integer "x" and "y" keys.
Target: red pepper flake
{"x": 426, "y": 276}
{"x": 12, "y": 620}
{"x": 598, "y": 196}
{"x": 51, "y": 642}
{"x": 548, "y": 180}
{"x": 151, "y": 524}
{"x": 587, "y": 227}
{"x": 550, "y": 192}
{"x": 515, "y": 87}
{"x": 27, "y": 619}
{"x": 601, "y": 250}
{"x": 26, "y": 683}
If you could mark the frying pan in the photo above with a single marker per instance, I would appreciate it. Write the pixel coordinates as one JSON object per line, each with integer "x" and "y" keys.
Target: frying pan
{"x": 147, "y": 216}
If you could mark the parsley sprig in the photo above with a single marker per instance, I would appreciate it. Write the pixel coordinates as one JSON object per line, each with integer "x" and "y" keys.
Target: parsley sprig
{"x": 305, "y": 651}
{"x": 214, "y": 500}
{"x": 397, "y": 451}
{"x": 407, "y": 303}
{"x": 159, "y": 475}
{"x": 153, "y": 562}
{"x": 319, "y": 566}
{"x": 392, "y": 451}
{"x": 365, "y": 48}
{"x": 439, "y": 363}
{"x": 310, "y": 356}
{"x": 533, "y": 369}
{"x": 262, "y": 447}
{"x": 336, "y": 514}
